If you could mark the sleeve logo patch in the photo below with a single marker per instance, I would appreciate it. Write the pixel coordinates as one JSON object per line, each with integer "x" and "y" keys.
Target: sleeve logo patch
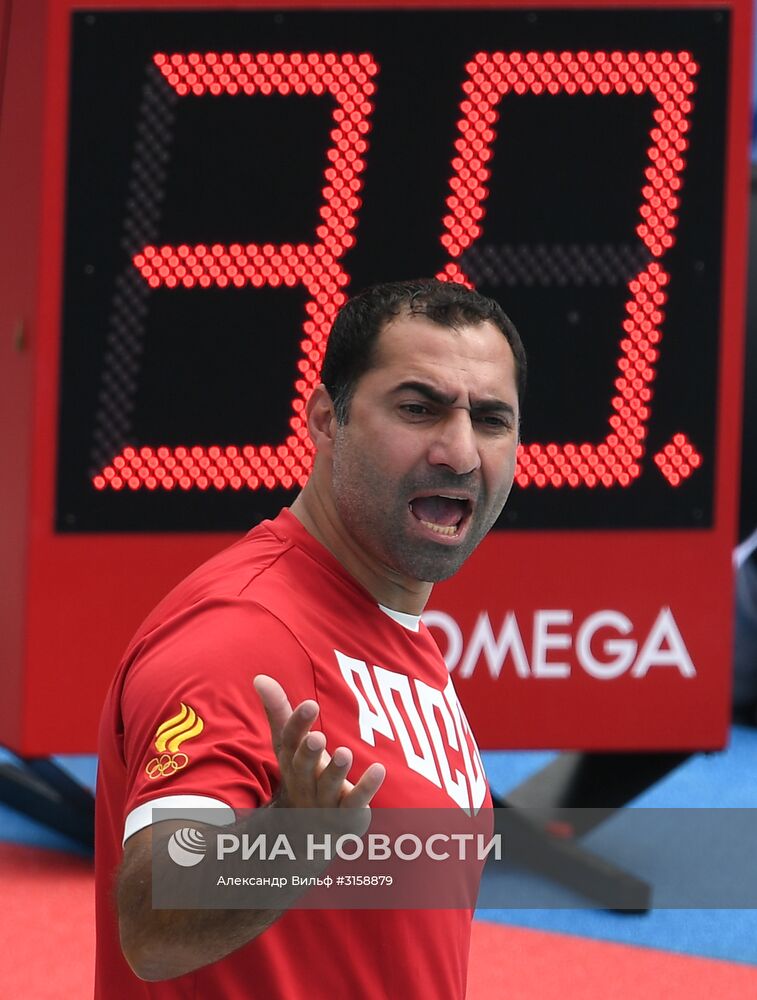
{"x": 169, "y": 737}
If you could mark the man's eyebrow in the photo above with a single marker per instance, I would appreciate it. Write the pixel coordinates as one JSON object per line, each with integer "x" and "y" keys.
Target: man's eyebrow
{"x": 424, "y": 389}
{"x": 492, "y": 405}
{"x": 487, "y": 404}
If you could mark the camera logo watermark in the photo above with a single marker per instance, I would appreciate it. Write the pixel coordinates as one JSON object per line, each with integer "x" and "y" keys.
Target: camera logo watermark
{"x": 187, "y": 847}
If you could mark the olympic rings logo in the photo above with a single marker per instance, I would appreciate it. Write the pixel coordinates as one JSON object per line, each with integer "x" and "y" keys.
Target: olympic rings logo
{"x": 167, "y": 763}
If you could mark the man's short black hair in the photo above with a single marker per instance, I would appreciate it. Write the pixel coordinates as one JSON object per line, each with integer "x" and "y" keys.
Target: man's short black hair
{"x": 350, "y": 351}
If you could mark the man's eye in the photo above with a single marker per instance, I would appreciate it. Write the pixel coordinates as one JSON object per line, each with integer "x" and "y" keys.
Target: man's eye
{"x": 416, "y": 409}
{"x": 495, "y": 422}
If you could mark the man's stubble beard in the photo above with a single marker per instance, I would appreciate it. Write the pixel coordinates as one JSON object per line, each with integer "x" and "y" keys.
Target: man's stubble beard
{"x": 377, "y": 520}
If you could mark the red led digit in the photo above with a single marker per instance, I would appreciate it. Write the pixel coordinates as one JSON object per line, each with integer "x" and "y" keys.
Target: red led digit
{"x": 346, "y": 78}
{"x": 669, "y": 78}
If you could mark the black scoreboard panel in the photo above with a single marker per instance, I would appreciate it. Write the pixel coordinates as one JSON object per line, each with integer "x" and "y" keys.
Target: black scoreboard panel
{"x": 178, "y": 174}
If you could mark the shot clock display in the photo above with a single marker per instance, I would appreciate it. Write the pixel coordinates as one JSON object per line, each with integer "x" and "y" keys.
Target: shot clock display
{"x": 234, "y": 176}
{"x": 188, "y": 195}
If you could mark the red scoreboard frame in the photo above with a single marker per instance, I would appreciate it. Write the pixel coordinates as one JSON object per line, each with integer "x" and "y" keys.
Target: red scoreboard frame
{"x": 605, "y": 639}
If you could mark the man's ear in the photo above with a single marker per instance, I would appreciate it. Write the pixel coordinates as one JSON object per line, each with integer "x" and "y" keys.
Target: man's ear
{"x": 321, "y": 418}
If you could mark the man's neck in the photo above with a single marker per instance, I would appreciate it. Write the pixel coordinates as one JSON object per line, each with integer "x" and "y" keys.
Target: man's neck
{"x": 320, "y": 519}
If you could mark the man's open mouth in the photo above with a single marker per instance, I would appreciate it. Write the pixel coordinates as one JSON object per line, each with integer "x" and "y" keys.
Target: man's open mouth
{"x": 444, "y": 515}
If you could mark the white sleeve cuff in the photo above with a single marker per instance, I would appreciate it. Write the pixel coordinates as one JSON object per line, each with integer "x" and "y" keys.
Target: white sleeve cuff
{"x": 184, "y": 807}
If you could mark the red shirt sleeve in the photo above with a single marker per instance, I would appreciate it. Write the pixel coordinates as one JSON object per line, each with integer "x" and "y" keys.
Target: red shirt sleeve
{"x": 192, "y": 721}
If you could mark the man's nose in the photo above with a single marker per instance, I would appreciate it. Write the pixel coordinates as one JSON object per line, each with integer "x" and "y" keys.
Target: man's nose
{"x": 455, "y": 444}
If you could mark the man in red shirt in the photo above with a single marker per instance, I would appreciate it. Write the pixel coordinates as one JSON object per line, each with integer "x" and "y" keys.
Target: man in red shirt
{"x": 415, "y": 427}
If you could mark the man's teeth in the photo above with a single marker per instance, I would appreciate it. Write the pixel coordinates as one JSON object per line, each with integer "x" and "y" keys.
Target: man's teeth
{"x": 441, "y": 529}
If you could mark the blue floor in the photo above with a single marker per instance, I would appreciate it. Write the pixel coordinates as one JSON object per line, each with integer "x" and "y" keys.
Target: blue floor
{"x": 714, "y": 781}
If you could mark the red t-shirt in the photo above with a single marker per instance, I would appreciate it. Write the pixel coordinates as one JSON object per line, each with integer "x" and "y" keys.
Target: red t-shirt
{"x": 183, "y": 728}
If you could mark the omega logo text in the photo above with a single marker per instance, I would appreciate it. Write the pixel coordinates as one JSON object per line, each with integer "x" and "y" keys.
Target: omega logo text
{"x": 605, "y": 645}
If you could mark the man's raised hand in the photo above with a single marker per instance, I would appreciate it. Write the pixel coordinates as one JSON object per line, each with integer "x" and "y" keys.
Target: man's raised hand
{"x": 309, "y": 776}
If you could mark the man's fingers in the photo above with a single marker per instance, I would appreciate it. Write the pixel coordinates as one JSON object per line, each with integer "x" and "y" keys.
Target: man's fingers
{"x": 370, "y": 782}
{"x": 296, "y": 729}
{"x": 275, "y": 703}
{"x": 332, "y": 783}
{"x": 304, "y": 762}
{"x": 280, "y": 714}
{"x": 307, "y": 762}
